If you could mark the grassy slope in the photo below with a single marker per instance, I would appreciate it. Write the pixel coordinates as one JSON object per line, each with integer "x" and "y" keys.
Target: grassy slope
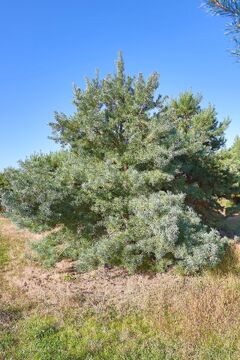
{"x": 196, "y": 318}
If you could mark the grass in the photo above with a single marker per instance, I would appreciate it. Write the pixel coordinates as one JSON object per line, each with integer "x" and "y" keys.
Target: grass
{"x": 111, "y": 336}
{"x": 185, "y": 318}
{"x": 4, "y": 252}
{"x": 91, "y": 336}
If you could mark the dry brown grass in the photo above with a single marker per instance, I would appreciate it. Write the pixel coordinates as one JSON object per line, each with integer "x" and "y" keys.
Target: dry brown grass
{"x": 195, "y": 310}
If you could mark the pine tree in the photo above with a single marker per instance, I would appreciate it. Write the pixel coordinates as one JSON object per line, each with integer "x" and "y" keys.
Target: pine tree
{"x": 201, "y": 175}
{"x": 235, "y": 155}
{"x": 230, "y": 158}
{"x": 229, "y": 9}
{"x": 114, "y": 189}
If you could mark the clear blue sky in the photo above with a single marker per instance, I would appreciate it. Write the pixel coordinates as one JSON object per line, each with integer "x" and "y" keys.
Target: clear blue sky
{"x": 47, "y": 45}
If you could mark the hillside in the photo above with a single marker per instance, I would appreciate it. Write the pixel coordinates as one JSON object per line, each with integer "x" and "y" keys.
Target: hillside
{"x": 108, "y": 314}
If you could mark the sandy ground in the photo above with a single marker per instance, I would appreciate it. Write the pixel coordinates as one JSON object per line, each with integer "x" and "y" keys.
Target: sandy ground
{"x": 98, "y": 288}
{"x": 61, "y": 285}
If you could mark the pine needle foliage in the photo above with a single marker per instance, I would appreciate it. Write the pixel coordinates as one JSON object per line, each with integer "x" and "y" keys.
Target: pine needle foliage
{"x": 3, "y": 186}
{"x": 229, "y": 9}
{"x": 118, "y": 188}
{"x": 230, "y": 158}
{"x": 201, "y": 176}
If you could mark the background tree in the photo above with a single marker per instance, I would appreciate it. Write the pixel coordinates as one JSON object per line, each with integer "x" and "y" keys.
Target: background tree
{"x": 230, "y": 9}
{"x": 231, "y": 159}
{"x": 3, "y": 187}
{"x": 235, "y": 155}
{"x": 201, "y": 175}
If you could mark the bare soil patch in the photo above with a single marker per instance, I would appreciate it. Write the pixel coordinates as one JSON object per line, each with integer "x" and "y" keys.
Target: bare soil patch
{"x": 161, "y": 293}
{"x": 62, "y": 286}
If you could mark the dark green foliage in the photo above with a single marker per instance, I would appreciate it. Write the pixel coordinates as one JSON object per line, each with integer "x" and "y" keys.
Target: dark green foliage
{"x": 3, "y": 181}
{"x": 234, "y": 164}
{"x": 229, "y": 9}
{"x": 234, "y": 155}
{"x": 3, "y": 186}
{"x": 230, "y": 158}
{"x": 122, "y": 190}
{"x": 200, "y": 173}
{"x": 198, "y": 125}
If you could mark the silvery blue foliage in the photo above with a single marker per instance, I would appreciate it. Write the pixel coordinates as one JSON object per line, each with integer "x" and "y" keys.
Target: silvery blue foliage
{"x": 116, "y": 191}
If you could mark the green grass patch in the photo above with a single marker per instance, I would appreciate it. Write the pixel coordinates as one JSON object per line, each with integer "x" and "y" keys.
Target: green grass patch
{"x": 86, "y": 337}
{"x": 4, "y": 250}
{"x": 110, "y": 336}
